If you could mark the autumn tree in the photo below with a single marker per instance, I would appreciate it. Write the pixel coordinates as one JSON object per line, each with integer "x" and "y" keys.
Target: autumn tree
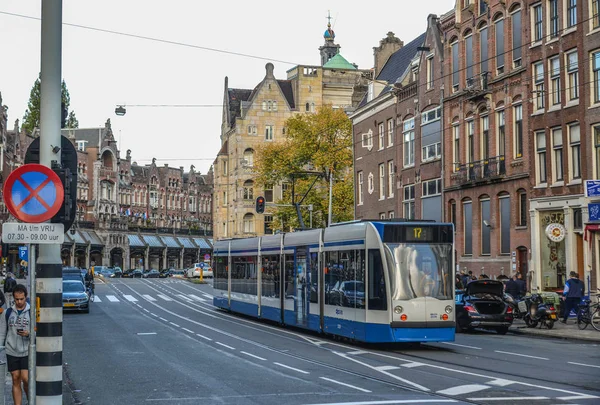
{"x": 316, "y": 146}
{"x": 31, "y": 119}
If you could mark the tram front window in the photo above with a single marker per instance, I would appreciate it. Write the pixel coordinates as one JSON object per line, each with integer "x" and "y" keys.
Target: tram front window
{"x": 420, "y": 270}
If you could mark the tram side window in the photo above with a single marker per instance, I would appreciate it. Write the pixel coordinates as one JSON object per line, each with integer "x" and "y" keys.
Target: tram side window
{"x": 377, "y": 295}
{"x": 220, "y": 281}
{"x": 243, "y": 275}
{"x": 271, "y": 276}
{"x": 345, "y": 278}
{"x": 289, "y": 277}
{"x": 314, "y": 277}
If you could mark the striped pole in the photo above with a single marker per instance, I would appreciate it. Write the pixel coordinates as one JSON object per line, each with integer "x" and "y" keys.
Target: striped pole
{"x": 49, "y": 276}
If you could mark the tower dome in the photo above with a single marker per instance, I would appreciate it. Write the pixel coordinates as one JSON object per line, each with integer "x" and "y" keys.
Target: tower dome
{"x": 329, "y": 35}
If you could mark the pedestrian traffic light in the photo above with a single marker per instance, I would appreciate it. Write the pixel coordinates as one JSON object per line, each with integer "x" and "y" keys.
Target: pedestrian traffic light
{"x": 260, "y": 205}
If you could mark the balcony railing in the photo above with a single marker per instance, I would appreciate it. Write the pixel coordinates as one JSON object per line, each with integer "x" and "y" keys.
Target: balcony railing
{"x": 477, "y": 86}
{"x": 481, "y": 170}
{"x": 107, "y": 174}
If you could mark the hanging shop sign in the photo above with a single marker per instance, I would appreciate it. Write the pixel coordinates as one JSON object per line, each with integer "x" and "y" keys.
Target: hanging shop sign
{"x": 556, "y": 232}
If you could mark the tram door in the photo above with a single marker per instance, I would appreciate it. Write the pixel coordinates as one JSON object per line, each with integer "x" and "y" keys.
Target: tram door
{"x": 301, "y": 277}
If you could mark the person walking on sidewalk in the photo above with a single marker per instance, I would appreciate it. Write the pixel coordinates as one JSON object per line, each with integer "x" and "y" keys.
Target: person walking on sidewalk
{"x": 572, "y": 294}
{"x": 14, "y": 335}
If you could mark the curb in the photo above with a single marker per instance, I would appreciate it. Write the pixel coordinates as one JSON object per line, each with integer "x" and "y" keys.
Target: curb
{"x": 534, "y": 332}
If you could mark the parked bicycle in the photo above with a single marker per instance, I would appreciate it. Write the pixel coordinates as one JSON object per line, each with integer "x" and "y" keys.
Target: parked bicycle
{"x": 589, "y": 313}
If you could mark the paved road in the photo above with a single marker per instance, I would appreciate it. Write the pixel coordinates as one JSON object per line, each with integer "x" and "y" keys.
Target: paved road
{"x": 161, "y": 341}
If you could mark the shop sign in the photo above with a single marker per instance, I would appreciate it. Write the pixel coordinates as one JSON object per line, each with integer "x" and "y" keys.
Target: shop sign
{"x": 556, "y": 232}
{"x": 592, "y": 188}
{"x": 594, "y": 211}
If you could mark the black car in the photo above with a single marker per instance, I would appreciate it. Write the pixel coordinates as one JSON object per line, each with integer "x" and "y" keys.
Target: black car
{"x": 73, "y": 273}
{"x": 165, "y": 273}
{"x": 137, "y": 273}
{"x": 481, "y": 305}
{"x": 151, "y": 274}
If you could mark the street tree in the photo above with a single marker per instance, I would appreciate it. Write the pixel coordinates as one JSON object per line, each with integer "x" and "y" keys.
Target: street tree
{"x": 31, "y": 119}
{"x": 315, "y": 148}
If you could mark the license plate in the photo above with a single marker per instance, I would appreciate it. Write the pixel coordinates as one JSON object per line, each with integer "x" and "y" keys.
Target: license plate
{"x": 552, "y": 316}
{"x": 68, "y": 304}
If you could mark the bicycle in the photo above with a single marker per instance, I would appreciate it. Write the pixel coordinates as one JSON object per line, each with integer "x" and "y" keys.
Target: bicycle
{"x": 90, "y": 290}
{"x": 589, "y": 313}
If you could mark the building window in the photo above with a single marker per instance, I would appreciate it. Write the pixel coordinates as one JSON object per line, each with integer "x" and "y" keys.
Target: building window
{"x": 367, "y": 140}
{"x": 595, "y": 14}
{"x": 390, "y": 131}
{"x": 432, "y": 187}
{"x": 555, "y": 79}
{"x": 573, "y": 75}
{"x": 554, "y": 23}
{"x": 596, "y": 131}
{"x": 409, "y": 142}
{"x": 523, "y": 212}
{"x": 468, "y": 224}
{"x": 456, "y": 146}
{"x": 516, "y": 38}
{"x": 431, "y": 115}
{"x": 382, "y": 215}
{"x": 248, "y": 223}
{"x": 381, "y": 136}
{"x": 359, "y": 176}
{"x": 540, "y": 140}
{"x": 248, "y": 158}
{"x": 469, "y": 59}
{"x": 391, "y": 215}
{"x": 485, "y": 137}
{"x": 557, "y": 146}
{"x": 268, "y": 193}
{"x": 285, "y": 191}
{"x": 596, "y": 75}
{"x": 432, "y": 152}
{"x": 571, "y": 13}
{"x": 538, "y": 23}
{"x": 575, "y": 145}
{"x": 269, "y": 132}
{"x": 370, "y": 183}
{"x": 499, "y": 28}
{"x": 268, "y": 224}
{"x": 224, "y": 197}
{"x": 470, "y": 141}
{"x": 501, "y": 133}
{"x": 81, "y": 145}
{"x": 504, "y": 224}
{"x": 455, "y": 67}
{"x": 538, "y": 77}
{"x": 483, "y": 50}
{"x": 409, "y": 202}
{"x": 225, "y": 167}
{"x": 252, "y": 130}
{"x": 430, "y": 72}
{"x": 486, "y": 239}
{"x": 452, "y": 213}
{"x": 483, "y": 7}
{"x": 391, "y": 178}
{"x": 381, "y": 181}
{"x": 248, "y": 190}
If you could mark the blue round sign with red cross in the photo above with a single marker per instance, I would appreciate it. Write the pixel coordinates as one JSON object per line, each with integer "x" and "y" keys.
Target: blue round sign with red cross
{"x": 33, "y": 193}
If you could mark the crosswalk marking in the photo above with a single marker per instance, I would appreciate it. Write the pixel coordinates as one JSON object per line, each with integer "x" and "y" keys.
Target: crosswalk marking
{"x": 386, "y": 368}
{"x": 149, "y": 298}
{"x": 164, "y": 297}
{"x": 112, "y": 298}
{"x": 463, "y": 389}
{"x": 185, "y": 297}
{"x": 197, "y": 298}
{"x": 96, "y": 299}
{"x": 130, "y": 298}
{"x": 208, "y": 295}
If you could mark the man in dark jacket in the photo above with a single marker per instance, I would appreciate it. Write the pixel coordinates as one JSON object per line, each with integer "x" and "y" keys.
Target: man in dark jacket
{"x": 512, "y": 288}
{"x": 572, "y": 294}
{"x": 522, "y": 285}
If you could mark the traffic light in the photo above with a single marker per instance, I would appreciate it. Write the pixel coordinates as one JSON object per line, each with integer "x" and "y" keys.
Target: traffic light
{"x": 260, "y": 205}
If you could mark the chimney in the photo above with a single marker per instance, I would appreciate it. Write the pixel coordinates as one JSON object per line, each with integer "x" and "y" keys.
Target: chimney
{"x": 387, "y": 46}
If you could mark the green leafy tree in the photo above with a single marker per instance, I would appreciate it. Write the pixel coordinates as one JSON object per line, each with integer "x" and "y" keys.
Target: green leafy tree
{"x": 31, "y": 119}
{"x": 320, "y": 144}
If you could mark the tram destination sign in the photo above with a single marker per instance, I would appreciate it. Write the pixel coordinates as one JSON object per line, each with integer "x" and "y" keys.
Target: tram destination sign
{"x": 44, "y": 233}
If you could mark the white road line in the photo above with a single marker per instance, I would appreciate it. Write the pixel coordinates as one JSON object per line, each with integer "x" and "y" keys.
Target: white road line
{"x": 174, "y": 324}
{"x": 208, "y": 296}
{"x": 508, "y": 399}
{"x": 386, "y": 368}
{"x": 164, "y": 297}
{"x": 204, "y": 337}
{"x": 456, "y": 344}
{"x": 252, "y": 355}
{"x": 581, "y": 364}
{"x": 197, "y": 298}
{"x": 291, "y": 368}
{"x": 96, "y": 299}
{"x": 130, "y": 298}
{"x": 163, "y": 319}
{"x": 522, "y": 355}
{"x": 413, "y": 364}
{"x": 146, "y": 310}
{"x": 463, "y": 389}
{"x": 344, "y": 384}
{"x": 149, "y": 298}
{"x": 146, "y": 333}
{"x": 224, "y": 345}
{"x": 153, "y": 314}
{"x": 357, "y": 352}
{"x": 500, "y": 382}
{"x": 187, "y": 330}
{"x": 185, "y": 297}
{"x": 112, "y": 298}
{"x": 394, "y": 401}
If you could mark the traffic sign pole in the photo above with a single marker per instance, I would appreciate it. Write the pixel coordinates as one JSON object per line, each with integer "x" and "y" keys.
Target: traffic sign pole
{"x": 48, "y": 384}
{"x": 32, "y": 325}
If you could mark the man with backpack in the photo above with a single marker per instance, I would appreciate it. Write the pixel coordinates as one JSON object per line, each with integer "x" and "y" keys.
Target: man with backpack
{"x": 572, "y": 294}
{"x": 14, "y": 335}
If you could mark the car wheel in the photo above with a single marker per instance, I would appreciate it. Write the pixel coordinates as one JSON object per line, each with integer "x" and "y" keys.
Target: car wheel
{"x": 502, "y": 331}
{"x": 550, "y": 324}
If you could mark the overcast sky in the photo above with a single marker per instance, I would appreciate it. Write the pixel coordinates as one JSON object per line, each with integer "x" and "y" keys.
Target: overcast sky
{"x": 104, "y": 69}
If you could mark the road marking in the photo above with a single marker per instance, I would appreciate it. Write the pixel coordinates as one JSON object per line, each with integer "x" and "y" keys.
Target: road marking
{"x": 204, "y": 337}
{"x": 153, "y": 314}
{"x": 581, "y": 364}
{"x": 197, "y": 298}
{"x": 456, "y": 344}
{"x": 292, "y": 368}
{"x": 163, "y": 319}
{"x": 500, "y": 382}
{"x": 344, "y": 384}
{"x": 164, "y": 297}
{"x": 146, "y": 333}
{"x": 146, "y": 310}
{"x": 224, "y": 345}
{"x": 393, "y": 401}
{"x": 96, "y": 299}
{"x": 174, "y": 324}
{"x": 130, "y": 298}
{"x": 112, "y": 298}
{"x": 508, "y": 399}
{"x": 357, "y": 352}
{"x": 185, "y": 297}
{"x": 386, "y": 368}
{"x": 252, "y": 355}
{"x": 522, "y": 355}
{"x": 463, "y": 389}
{"x": 187, "y": 330}
{"x": 208, "y": 295}
{"x": 149, "y": 298}
{"x": 413, "y": 364}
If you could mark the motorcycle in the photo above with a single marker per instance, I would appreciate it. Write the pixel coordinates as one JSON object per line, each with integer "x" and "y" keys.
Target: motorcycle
{"x": 533, "y": 310}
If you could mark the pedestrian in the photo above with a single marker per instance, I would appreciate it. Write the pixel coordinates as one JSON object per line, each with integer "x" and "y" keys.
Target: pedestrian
{"x": 522, "y": 284}
{"x": 572, "y": 294}
{"x": 512, "y": 287}
{"x": 466, "y": 278}
{"x": 14, "y": 335}
{"x": 458, "y": 285}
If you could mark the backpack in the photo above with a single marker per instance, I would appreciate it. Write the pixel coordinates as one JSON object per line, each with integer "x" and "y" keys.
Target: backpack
{"x": 7, "y": 315}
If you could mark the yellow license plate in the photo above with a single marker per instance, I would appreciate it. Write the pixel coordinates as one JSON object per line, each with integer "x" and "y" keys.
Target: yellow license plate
{"x": 553, "y": 316}
{"x": 68, "y": 304}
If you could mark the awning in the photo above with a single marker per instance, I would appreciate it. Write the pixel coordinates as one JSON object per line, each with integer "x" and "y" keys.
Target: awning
{"x": 590, "y": 228}
{"x": 170, "y": 242}
{"x": 202, "y": 243}
{"x": 68, "y": 239}
{"x": 79, "y": 239}
{"x": 92, "y": 238}
{"x": 187, "y": 243}
{"x": 153, "y": 241}
{"x": 135, "y": 241}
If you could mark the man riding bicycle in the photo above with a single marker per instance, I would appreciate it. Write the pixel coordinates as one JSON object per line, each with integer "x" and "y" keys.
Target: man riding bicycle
{"x": 89, "y": 283}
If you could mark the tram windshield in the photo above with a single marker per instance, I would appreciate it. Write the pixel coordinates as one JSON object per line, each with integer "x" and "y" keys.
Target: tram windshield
{"x": 420, "y": 270}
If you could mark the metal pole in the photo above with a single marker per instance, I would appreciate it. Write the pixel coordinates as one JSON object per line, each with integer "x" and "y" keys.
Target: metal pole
{"x": 32, "y": 324}
{"x": 330, "y": 197}
{"x": 49, "y": 339}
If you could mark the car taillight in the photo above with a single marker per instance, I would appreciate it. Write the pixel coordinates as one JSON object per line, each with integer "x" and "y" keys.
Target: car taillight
{"x": 469, "y": 308}
{"x": 509, "y": 310}
{"x": 552, "y": 308}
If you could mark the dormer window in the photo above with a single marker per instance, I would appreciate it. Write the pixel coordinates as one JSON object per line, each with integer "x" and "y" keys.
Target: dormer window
{"x": 81, "y": 145}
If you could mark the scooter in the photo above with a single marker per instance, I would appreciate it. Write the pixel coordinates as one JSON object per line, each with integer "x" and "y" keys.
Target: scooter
{"x": 539, "y": 312}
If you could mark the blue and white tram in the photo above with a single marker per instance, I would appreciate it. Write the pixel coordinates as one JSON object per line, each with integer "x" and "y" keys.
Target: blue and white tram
{"x": 371, "y": 281}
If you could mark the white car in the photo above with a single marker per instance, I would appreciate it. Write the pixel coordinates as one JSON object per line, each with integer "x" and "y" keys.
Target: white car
{"x": 194, "y": 272}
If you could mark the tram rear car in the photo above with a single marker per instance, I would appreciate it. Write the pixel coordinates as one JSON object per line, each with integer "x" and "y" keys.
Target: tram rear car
{"x": 367, "y": 281}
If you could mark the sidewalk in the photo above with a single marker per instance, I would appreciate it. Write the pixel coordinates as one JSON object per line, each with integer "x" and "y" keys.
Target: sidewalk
{"x": 559, "y": 331}
{"x": 8, "y": 399}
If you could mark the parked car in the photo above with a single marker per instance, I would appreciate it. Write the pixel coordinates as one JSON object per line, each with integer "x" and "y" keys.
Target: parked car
{"x": 165, "y": 273}
{"x": 177, "y": 273}
{"x": 137, "y": 273}
{"x": 153, "y": 273}
{"x": 74, "y": 296}
{"x": 118, "y": 273}
{"x": 481, "y": 305}
{"x": 194, "y": 272}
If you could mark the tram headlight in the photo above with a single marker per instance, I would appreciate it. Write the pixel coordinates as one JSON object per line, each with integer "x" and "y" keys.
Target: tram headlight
{"x": 398, "y": 309}
{"x": 448, "y": 309}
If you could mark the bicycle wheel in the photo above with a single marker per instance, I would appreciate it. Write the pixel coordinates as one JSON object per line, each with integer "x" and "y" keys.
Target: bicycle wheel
{"x": 595, "y": 319}
{"x": 582, "y": 318}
